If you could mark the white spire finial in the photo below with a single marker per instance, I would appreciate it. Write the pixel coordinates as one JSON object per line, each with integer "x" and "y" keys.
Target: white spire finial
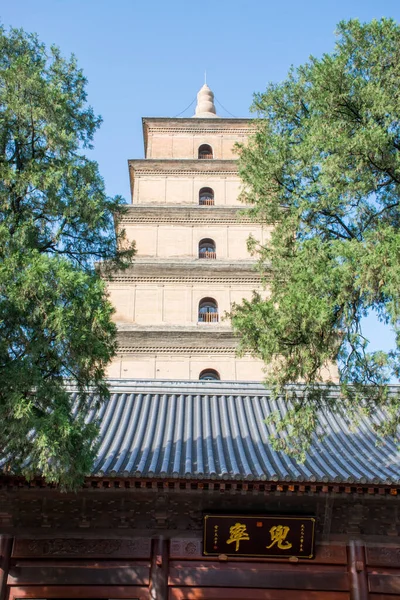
{"x": 205, "y": 104}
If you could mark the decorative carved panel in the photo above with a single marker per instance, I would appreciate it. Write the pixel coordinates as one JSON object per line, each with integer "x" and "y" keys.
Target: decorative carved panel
{"x": 330, "y": 554}
{"x": 73, "y": 548}
{"x": 383, "y": 556}
{"x": 220, "y": 130}
{"x": 187, "y": 280}
{"x": 186, "y": 548}
{"x": 175, "y": 350}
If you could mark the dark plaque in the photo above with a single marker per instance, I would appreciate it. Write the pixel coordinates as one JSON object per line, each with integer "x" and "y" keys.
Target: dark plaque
{"x": 259, "y": 536}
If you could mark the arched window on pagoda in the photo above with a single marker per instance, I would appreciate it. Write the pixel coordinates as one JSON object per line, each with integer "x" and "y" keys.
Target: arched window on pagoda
{"x": 205, "y": 152}
{"x": 209, "y": 375}
{"x": 207, "y": 249}
{"x": 206, "y": 197}
{"x": 208, "y": 311}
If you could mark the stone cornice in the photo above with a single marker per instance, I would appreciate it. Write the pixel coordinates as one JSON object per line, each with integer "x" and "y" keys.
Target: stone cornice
{"x": 205, "y": 331}
{"x": 184, "y": 166}
{"x": 176, "y": 129}
{"x": 125, "y": 350}
{"x": 242, "y": 281}
{"x": 169, "y": 343}
{"x": 189, "y": 271}
{"x": 167, "y": 340}
{"x": 192, "y": 214}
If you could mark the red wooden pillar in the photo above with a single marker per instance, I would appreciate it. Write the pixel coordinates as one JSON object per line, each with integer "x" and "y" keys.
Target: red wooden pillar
{"x": 357, "y": 569}
{"x": 5, "y": 555}
{"x": 159, "y": 569}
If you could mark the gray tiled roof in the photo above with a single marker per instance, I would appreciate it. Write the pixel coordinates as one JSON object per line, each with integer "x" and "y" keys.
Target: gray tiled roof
{"x": 216, "y": 430}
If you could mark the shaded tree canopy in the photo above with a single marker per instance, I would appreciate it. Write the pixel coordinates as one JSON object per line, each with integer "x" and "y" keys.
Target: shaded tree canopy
{"x": 323, "y": 171}
{"x": 55, "y": 222}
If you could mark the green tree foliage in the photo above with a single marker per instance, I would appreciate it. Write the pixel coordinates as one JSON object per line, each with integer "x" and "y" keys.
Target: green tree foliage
{"x": 323, "y": 171}
{"x": 55, "y": 222}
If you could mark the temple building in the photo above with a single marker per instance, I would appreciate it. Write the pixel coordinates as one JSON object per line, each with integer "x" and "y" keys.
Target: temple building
{"x": 187, "y": 499}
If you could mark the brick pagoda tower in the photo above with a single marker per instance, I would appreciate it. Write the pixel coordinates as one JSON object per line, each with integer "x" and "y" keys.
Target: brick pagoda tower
{"x": 192, "y": 261}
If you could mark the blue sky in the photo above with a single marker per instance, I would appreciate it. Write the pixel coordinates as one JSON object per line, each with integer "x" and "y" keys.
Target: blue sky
{"x": 148, "y": 58}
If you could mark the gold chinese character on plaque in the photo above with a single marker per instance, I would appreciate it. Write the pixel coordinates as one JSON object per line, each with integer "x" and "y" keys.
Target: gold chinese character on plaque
{"x": 237, "y": 534}
{"x": 278, "y": 537}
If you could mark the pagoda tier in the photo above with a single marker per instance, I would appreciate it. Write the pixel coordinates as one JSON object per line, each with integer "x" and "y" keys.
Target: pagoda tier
{"x": 165, "y": 292}
{"x": 166, "y": 137}
{"x": 181, "y": 353}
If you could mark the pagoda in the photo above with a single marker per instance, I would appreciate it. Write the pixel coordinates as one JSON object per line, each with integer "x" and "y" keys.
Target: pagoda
{"x": 192, "y": 261}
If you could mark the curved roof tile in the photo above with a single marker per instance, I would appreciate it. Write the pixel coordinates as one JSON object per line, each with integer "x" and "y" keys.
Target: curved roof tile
{"x": 217, "y": 430}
